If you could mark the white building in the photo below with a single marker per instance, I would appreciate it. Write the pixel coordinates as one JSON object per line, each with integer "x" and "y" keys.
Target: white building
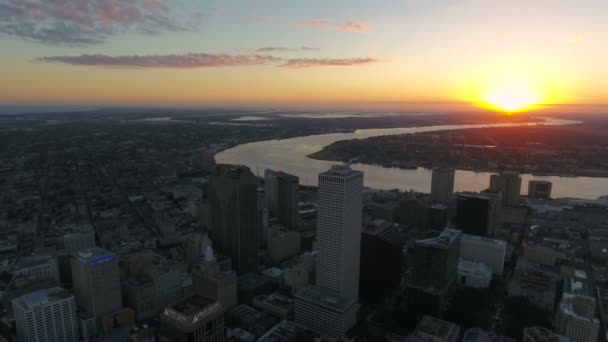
{"x": 330, "y": 308}
{"x": 482, "y": 249}
{"x": 575, "y": 318}
{"x": 474, "y": 274}
{"x": 96, "y": 281}
{"x": 339, "y": 229}
{"x": 46, "y": 316}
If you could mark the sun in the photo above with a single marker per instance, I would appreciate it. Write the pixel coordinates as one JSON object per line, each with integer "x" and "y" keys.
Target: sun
{"x": 512, "y": 96}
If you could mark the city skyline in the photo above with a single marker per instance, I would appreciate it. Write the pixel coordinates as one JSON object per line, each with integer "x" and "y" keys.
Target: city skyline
{"x": 456, "y": 55}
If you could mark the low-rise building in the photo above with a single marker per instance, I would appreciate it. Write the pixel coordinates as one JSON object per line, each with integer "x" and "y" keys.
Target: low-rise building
{"x": 474, "y": 274}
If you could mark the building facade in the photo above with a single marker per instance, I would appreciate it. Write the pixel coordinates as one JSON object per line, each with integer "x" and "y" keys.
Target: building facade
{"x": 197, "y": 319}
{"x": 482, "y": 249}
{"x": 96, "y": 280}
{"x": 287, "y": 197}
{"x": 234, "y": 215}
{"x": 575, "y": 318}
{"x": 46, "y": 316}
{"x": 540, "y": 189}
{"x": 509, "y": 185}
{"x": 442, "y": 185}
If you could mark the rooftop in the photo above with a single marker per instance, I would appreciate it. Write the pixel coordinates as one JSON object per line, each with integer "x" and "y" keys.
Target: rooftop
{"x": 437, "y": 328}
{"x": 284, "y": 331}
{"x": 94, "y": 255}
{"x": 341, "y": 171}
{"x": 42, "y": 297}
{"x": 193, "y": 309}
{"x": 445, "y": 239}
{"x": 480, "y": 335}
{"x": 326, "y": 297}
{"x": 484, "y": 239}
{"x": 541, "y": 334}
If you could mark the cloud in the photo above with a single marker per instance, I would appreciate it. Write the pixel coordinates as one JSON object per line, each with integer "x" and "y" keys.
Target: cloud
{"x": 200, "y": 60}
{"x": 349, "y": 26}
{"x": 316, "y": 62}
{"x": 285, "y": 49}
{"x": 185, "y": 61}
{"x": 576, "y": 39}
{"x": 83, "y": 22}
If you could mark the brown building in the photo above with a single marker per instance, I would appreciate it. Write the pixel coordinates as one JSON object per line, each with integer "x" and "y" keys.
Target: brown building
{"x": 197, "y": 319}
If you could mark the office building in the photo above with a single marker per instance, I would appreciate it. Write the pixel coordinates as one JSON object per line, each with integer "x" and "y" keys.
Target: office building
{"x": 575, "y": 318}
{"x": 381, "y": 256}
{"x": 432, "y": 329}
{"x": 330, "y": 307}
{"x": 196, "y": 319}
{"x": 539, "y": 189}
{"x": 271, "y": 199}
{"x": 476, "y": 213}
{"x": 282, "y": 243}
{"x": 96, "y": 280}
{"x": 287, "y": 197}
{"x": 325, "y": 311}
{"x": 509, "y": 185}
{"x": 140, "y": 295}
{"x": 234, "y": 215}
{"x": 541, "y": 334}
{"x": 300, "y": 271}
{"x": 482, "y": 249}
{"x": 37, "y": 267}
{"x": 215, "y": 282}
{"x": 442, "y": 185}
{"x": 77, "y": 237}
{"x": 46, "y": 316}
{"x": 435, "y": 268}
{"x": 339, "y": 226}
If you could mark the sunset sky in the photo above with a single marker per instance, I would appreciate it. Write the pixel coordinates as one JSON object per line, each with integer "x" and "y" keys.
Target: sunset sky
{"x": 409, "y": 54}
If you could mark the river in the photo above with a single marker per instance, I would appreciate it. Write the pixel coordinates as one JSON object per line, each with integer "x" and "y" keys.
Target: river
{"x": 290, "y": 155}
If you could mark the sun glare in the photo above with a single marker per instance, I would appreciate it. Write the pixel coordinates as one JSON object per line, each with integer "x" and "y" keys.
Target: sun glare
{"x": 512, "y": 96}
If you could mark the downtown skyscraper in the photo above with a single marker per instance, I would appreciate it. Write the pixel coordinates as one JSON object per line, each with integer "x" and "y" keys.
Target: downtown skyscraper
{"x": 330, "y": 307}
{"x": 234, "y": 215}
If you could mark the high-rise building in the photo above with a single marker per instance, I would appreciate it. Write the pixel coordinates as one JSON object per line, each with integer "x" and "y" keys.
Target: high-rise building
{"x": 477, "y": 213}
{"x": 96, "y": 280}
{"x": 339, "y": 226}
{"x": 435, "y": 260}
{"x": 46, "y": 316}
{"x": 287, "y": 196}
{"x": 330, "y": 307}
{"x": 234, "y": 215}
{"x": 509, "y": 185}
{"x": 270, "y": 191}
{"x": 482, "y": 249}
{"x": 381, "y": 256}
{"x": 196, "y": 319}
{"x": 434, "y": 272}
{"x": 76, "y": 238}
{"x": 442, "y": 185}
{"x": 539, "y": 189}
{"x": 575, "y": 318}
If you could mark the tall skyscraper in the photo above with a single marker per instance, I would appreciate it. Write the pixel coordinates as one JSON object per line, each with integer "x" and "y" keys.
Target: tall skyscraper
{"x": 46, "y": 316}
{"x": 539, "y": 189}
{"x": 234, "y": 215}
{"x": 435, "y": 269}
{"x": 330, "y": 307}
{"x": 287, "y": 195}
{"x": 270, "y": 191}
{"x": 96, "y": 280}
{"x": 339, "y": 229}
{"x": 477, "y": 213}
{"x": 442, "y": 184}
{"x": 509, "y": 185}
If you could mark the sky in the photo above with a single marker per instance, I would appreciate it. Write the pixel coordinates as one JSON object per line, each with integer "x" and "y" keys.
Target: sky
{"x": 396, "y": 54}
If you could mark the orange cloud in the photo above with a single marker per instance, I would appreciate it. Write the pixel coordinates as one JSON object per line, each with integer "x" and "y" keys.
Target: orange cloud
{"x": 349, "y": 26}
